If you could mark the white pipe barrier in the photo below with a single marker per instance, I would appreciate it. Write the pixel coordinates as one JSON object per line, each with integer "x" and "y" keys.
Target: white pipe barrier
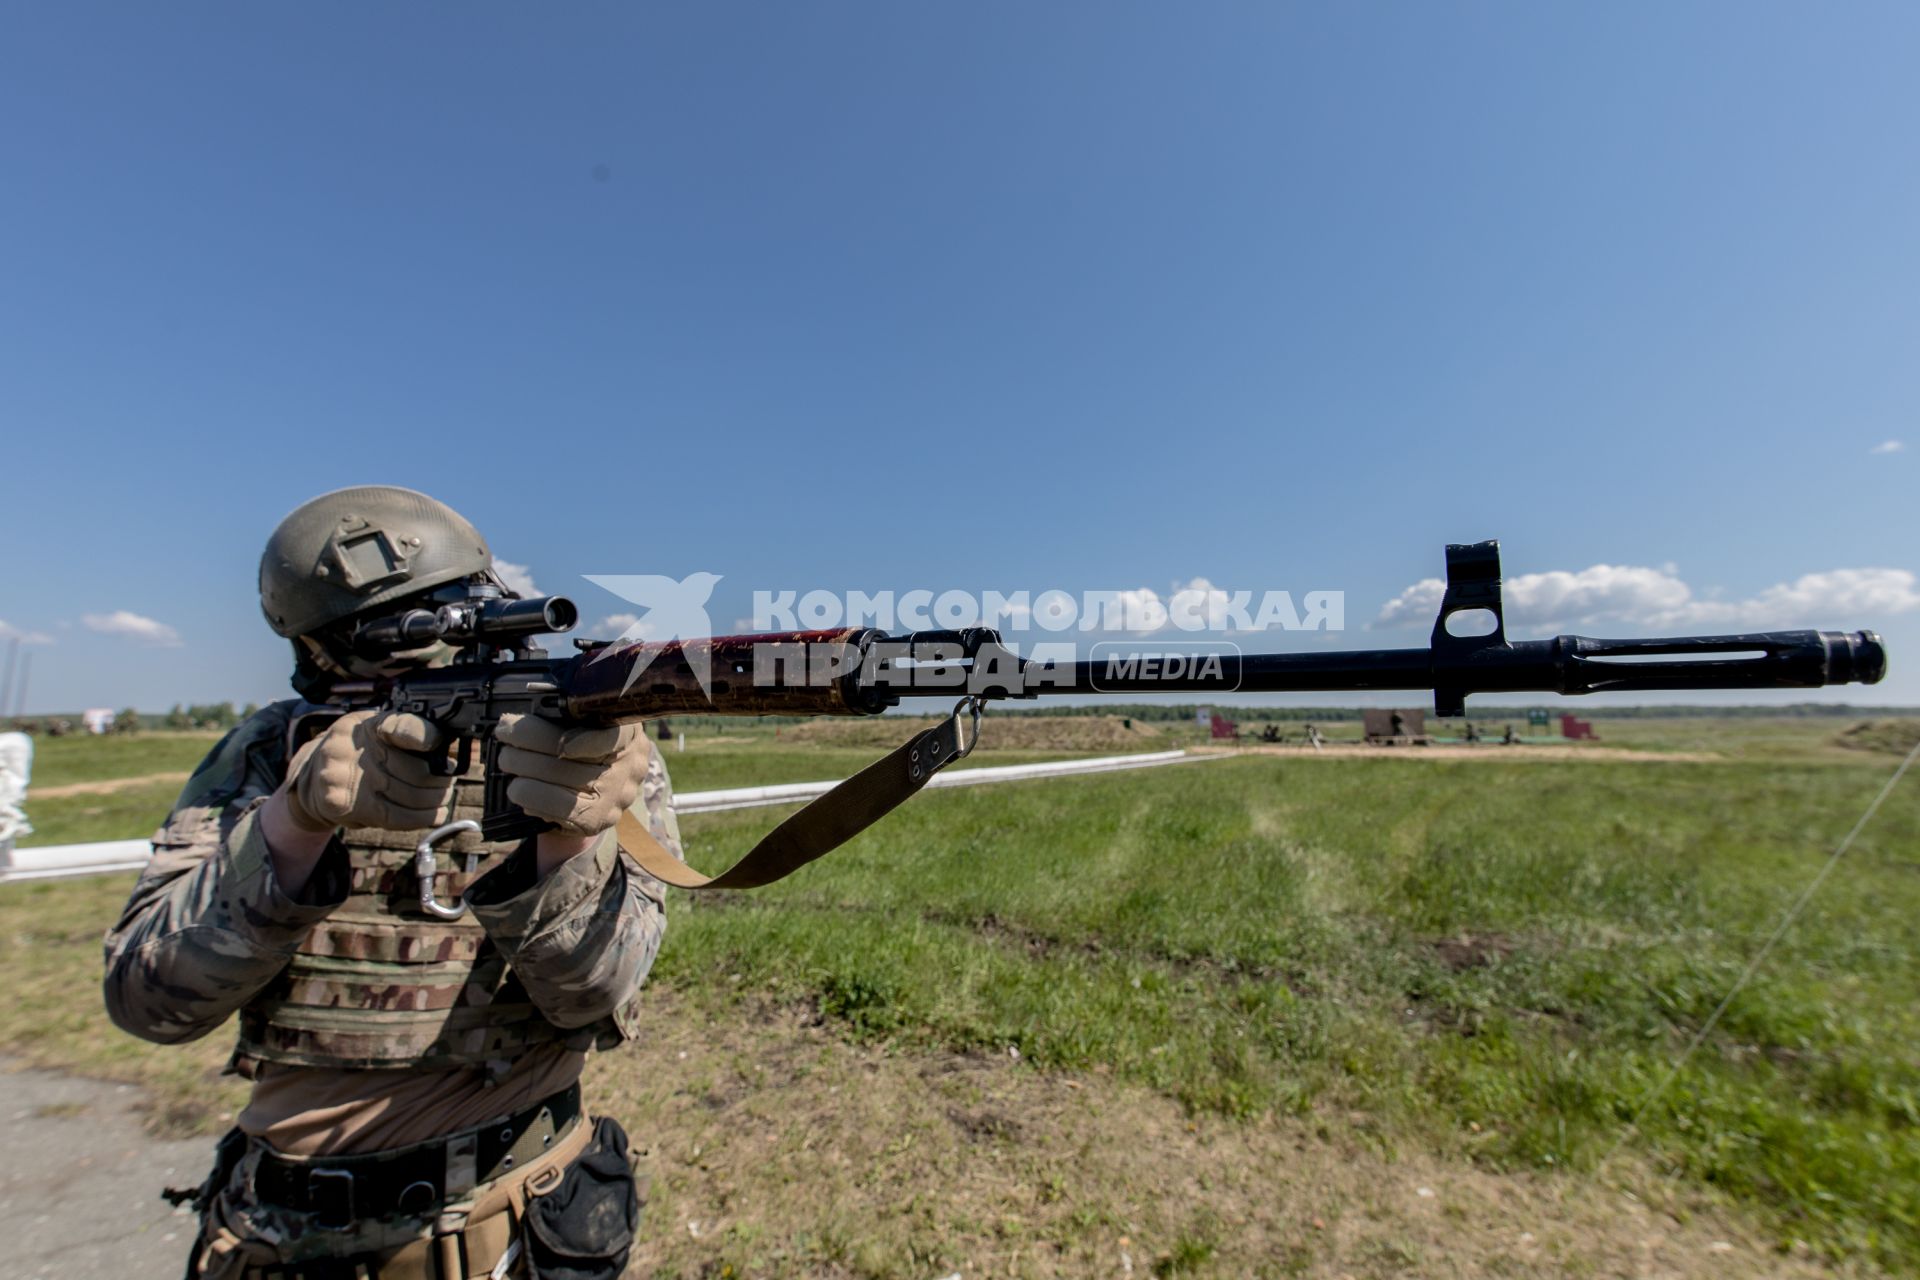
{"x": 54, "y": 861}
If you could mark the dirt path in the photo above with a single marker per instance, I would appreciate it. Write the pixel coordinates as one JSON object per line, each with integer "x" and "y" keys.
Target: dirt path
{"x": 104, "y": 786}
{"x": 1491, "y": 752}
{"x": 778, "y": 1149}
{"x": 80, "y": 1187}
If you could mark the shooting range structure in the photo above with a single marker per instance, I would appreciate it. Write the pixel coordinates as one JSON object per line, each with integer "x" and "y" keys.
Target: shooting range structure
{"x": 1574, "y": 729}
{"x": 1395, "y": 727}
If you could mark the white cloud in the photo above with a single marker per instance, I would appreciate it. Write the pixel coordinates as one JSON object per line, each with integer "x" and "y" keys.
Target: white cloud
{"x": 1602, "y": 591}
{"x": 518, "y": 577}
{"x": 1417, "y": 603}
{"x": 1141, "y": 610}
{"x": 122, "y": 622}
{"x": 10, "y": 632}
{"x": 1824, "y": 598}
{"x": 1889, "y": 446}
{"x": 1659, "y": 598}
{"x": 624, "y": 626}
{"x": 1199, "y": 603}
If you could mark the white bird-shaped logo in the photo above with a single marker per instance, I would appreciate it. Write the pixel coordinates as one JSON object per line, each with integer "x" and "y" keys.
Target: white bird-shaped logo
{"x": 670, "y": 610}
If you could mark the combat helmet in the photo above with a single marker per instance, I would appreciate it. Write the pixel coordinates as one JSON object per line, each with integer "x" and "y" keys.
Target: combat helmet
{"x": 356, "y": 549}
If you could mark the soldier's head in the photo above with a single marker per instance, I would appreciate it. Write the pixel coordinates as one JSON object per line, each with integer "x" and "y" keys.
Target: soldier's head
{"x": 355, "y": 553}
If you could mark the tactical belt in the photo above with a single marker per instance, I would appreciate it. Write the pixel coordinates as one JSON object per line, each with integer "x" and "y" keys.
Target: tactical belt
{"x": 339, "y": 1190}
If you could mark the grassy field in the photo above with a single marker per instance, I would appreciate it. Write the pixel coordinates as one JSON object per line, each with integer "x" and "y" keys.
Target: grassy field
{"x": 118, "y": 788}
{"x": 1257, "y": 1016}
{"x": 83, "y": 758}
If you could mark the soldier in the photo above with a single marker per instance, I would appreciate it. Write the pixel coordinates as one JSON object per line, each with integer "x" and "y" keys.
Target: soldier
{"x": 415, "y": 1107}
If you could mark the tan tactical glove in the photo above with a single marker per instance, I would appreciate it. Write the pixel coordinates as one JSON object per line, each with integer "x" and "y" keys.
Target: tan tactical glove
{"x": 582, "y": 780}
{"x": 364, "y": 772}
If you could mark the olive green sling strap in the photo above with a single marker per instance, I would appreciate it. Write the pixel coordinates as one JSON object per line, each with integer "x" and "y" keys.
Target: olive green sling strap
{"x": 825, "y": 824}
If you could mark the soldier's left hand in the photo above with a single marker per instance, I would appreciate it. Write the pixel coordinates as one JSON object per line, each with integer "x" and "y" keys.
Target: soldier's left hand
{"x": 579, "y": 779}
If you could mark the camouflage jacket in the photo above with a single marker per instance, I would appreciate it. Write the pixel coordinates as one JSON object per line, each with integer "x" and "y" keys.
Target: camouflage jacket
{"x": 208, "y": 927}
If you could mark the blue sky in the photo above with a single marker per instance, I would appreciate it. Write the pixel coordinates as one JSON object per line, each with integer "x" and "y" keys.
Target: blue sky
{"x": 987, "y": 296}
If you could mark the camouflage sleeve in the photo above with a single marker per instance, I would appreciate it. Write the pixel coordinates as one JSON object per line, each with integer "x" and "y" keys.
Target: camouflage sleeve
{"x": 208, "y": 925}
{"x": 582, "y": 940}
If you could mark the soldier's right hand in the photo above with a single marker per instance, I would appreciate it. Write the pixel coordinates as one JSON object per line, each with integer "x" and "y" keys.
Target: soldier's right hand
{"x": 368, "y": 770}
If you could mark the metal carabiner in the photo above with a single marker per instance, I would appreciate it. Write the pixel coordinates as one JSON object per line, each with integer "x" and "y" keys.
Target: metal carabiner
{"x": 424, "y": 867}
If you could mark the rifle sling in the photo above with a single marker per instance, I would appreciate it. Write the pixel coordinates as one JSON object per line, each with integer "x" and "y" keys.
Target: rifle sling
{"x": 821, "y": 827}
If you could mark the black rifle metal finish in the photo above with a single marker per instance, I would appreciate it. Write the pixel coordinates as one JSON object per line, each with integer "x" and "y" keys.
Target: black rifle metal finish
{"x": 499, "y": 673}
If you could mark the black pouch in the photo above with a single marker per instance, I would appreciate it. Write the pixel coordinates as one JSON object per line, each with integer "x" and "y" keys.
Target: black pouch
{"x": 583, "y": 1229}
{"x": 226, "y": 1157}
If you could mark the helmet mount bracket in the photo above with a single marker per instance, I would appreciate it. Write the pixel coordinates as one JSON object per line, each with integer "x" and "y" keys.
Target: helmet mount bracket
{"x": 363, "y": 557}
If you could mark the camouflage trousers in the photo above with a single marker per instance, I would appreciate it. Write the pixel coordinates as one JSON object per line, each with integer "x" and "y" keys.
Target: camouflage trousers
{"x": 477, "y": 1235}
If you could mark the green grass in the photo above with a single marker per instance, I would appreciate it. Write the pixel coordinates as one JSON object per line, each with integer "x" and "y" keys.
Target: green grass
{"x": 1522, "y": 949}
{"x": 1493, "y": 960}
{"x": 719, "y": 765}
{"x": 83, "y": 757}
{"x": 134, "y": 812}
{"x": 1781, "y": 739}
{"x": 50, "y": 959}
{"x": 125, "y": 814}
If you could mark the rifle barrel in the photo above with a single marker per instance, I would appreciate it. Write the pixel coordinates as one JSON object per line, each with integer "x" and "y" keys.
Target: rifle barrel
{"x": 1562, "y": 665}
{"x": 856, "y": 671}
{"x": 832, "y": 672}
